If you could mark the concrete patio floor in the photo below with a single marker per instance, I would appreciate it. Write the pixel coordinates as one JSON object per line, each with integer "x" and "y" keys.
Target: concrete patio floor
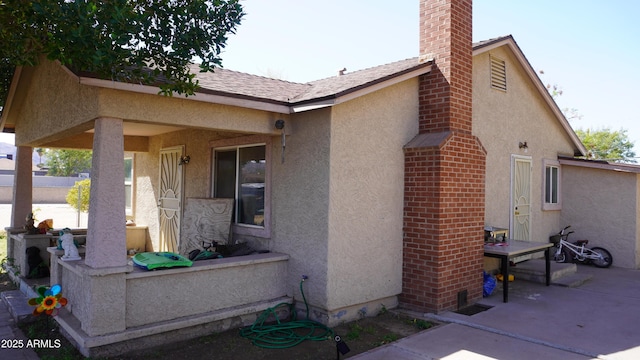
{"x": 598, "y": 319}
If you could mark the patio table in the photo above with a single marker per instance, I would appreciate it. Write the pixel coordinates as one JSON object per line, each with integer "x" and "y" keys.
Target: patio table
{"x": 513, "y": 248}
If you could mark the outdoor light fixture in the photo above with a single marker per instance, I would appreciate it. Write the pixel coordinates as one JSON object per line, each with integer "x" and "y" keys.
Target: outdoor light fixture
{"x": 184, "y": 159}
{"x": 523, "y": 145}
{"x": 341, "y": 346}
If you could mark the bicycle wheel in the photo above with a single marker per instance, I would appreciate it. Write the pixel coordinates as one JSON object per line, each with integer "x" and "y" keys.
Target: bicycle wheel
{"x": 562, "y": 257}
{"x": 605, "y": 260}
{"x": 568, "y": 255}
{"x": 552, "y": 253}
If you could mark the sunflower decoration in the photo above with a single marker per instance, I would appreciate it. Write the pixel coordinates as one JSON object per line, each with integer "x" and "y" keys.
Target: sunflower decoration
{"x": 49, "y": 301}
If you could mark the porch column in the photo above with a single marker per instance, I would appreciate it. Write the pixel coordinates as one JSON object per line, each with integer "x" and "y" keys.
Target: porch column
{"x": 104, "y": 284}
{"x": 106, "y": 233}
{"x": 22, "y": 187}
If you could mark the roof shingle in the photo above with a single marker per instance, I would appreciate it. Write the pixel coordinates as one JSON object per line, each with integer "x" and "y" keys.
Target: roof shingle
{"x": 238, "y": 84}
{"x": 243, "y": 85}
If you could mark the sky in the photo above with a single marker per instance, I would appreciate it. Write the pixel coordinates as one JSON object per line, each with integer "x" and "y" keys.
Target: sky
{"x": 591, "y": 49}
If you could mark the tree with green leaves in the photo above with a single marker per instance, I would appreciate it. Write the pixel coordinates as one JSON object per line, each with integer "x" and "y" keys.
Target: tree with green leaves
{"x": 606, "y": 144}
{"x": 78, "y": 196}
{"x": 40, "y": 152}
{"x": 65, "y": 162}
{"x": 138, "y": 41}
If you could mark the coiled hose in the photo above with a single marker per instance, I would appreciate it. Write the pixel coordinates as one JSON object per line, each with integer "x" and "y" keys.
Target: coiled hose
{"x": 283, "y": 335}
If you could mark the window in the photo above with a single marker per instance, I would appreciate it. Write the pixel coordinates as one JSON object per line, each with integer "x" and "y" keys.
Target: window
{"x": 128, "y": 185}
{"x": 551, "y": 194}
{"x": 498, "y": 74}
{"x": 241, "y": 172}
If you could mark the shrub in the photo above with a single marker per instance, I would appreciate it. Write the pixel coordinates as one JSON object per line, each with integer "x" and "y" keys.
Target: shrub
{"x": 72, "y": 195}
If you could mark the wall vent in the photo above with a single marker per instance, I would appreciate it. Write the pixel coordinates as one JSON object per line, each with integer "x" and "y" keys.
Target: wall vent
{"x": 498, "y": 74}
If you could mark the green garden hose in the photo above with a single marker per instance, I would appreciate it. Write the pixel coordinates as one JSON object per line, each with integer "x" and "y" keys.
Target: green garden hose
{"x": 283, "y": 335}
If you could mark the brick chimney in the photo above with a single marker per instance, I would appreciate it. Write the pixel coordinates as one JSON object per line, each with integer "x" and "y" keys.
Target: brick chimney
{"x": 444, "y": 170}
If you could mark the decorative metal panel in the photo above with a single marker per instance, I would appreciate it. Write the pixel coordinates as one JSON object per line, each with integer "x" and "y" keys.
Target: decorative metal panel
{"x": 170, "y": 199}
{"x": 521, "y": 197}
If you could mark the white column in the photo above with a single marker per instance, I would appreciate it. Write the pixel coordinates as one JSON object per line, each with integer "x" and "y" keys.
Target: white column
{"x": 22, "y": 187}
{"x": 106, "y": 236}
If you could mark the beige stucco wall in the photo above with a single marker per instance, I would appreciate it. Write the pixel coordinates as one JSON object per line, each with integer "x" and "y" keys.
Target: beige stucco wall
{"x": 185, "y": 112}
{"x": 50, "y": 101}
{"x": 211, "y": 285}
{"x": 337, "y": 200}
{"x": 503, "y": 119}
{"x": 51, "y": 104}
{"x": 300, "y": 203}
{"x": 367, "y": 194}
{"x": 602, "y": 206}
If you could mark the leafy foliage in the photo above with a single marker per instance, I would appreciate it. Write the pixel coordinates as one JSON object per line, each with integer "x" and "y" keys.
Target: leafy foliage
{"x": 606, "y": 144}
{"x": 6, "y": 75}
{"x": 68, "y": 162}
{"x": 83, "y": 188}
{"x": 140, "y": 41}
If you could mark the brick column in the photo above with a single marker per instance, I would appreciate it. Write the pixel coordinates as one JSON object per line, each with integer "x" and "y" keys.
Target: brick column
{"x": 444, "y": 171}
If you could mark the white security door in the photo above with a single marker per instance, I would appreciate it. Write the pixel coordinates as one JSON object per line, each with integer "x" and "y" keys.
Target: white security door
{"x": 170, "y": 199}
{"x": 520, "y": 198}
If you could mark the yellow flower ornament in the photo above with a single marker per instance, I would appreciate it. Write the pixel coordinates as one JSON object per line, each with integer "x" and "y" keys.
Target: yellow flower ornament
{"x": 49, "y": 301}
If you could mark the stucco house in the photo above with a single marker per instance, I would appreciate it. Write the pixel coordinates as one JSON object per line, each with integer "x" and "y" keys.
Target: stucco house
{"x": 378, "y": 191}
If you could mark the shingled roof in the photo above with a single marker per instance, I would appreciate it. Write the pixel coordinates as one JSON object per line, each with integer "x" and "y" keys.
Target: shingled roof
{"x": 246, "y": 86}
{"x": 242, "y": 85}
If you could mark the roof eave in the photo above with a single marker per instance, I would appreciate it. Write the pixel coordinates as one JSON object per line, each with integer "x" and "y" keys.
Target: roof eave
{"x": 361, "y": 90}
{"x": 599, "y": 164}
{"x": 204, "y": 96}
{"x": 271, "y": 105}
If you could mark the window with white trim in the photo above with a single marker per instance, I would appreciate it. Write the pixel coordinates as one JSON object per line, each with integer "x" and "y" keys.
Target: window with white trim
{"x": 551, "y": 195}
{"x": 241, "y": 171}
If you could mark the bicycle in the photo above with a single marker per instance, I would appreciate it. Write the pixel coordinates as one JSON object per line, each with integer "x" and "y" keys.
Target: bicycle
{"x": 564, "y": 251}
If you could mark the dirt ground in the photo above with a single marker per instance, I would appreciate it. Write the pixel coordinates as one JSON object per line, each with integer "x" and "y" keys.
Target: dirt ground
{"x": 5, "y": 282}
{"x": 360, "y": 336}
